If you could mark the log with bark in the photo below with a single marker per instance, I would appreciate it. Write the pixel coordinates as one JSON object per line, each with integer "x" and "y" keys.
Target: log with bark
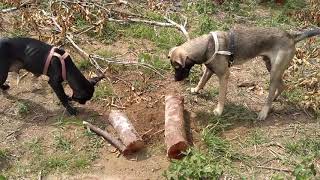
{"x": 175, "y": 134}
{"x": 126, "y": 131}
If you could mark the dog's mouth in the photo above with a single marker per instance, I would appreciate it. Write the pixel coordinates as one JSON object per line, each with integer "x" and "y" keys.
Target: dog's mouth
{"x": 181, "y": 74}
{"x": 79, "y": 100}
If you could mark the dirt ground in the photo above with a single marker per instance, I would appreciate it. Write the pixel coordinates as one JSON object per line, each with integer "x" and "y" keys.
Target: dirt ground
{"x": 147, "y": 114}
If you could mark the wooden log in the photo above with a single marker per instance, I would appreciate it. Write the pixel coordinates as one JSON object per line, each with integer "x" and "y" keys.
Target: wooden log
{"x": 175, "y": 134}
{"x": 113, "y": 141}
{"x": 128, "y": 135}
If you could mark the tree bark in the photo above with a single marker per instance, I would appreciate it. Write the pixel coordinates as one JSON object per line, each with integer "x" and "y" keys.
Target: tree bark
{"x": 128, "y": 135}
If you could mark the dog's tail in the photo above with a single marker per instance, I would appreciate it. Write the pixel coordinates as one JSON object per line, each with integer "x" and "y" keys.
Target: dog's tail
{"x": 306, "y": 34}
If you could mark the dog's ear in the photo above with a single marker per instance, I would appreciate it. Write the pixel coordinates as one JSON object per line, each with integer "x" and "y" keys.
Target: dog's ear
{"x": 171, "y": 51}
{"x": 95, "y": 80}
{"x": 178, "y": 57}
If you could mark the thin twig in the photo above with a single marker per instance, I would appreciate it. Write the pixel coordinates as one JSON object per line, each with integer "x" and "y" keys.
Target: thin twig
{"x": 19, "y": 78}
{"x": 113, "y": 61}
{"x": 15, "y": 8}
{"x": 142, "y": 21}
{"x": 275, "y": 169}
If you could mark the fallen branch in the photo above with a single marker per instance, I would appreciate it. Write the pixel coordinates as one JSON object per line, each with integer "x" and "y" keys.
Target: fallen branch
{"x": 15, "y": 8}
{"x": 109, "y": 60}
{"x": 142, "y": 21}
{"x": 113, "y": 141}
{"x": 275, "y": 169}
{"x": 19, "y": 78}
{"x": 182, "y": 28}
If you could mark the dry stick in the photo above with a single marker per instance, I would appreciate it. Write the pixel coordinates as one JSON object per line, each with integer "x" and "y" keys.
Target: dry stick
{"x": 179, "y": 26}
{"x": 15, "y": 8}
{"x": 21, "y": 77}
{"x": 163, "y": 24}
{"x": 275, "y": 169}
{"x": 117, "y": 144}
{"x": 109, "y": 60}
{"x": 142, "y": 21}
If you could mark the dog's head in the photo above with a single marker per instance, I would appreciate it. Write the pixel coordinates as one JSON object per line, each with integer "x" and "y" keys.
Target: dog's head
{"x": 86, "y": 94}
{"x": 181, "y": 63}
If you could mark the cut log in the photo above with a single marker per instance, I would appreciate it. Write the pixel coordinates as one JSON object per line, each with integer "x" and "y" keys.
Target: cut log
{"x": 175, "y": 134}
{"x": 113, "y": 141}
{"x": 128, "y": 135}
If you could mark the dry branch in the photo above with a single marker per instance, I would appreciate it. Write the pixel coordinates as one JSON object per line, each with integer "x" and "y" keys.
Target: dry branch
{"x": 15, "y": 8}
{"x": 113, "y": 141}
{"x": 182, "y": 28}
{"x": 113, "y": 61}
{"x": 275, "y": 169}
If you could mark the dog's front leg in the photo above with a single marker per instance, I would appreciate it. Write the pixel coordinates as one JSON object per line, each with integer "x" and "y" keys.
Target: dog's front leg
{"x": 4, "y": 69}
{"x": 223, "y": 83}
{"x": 204, "y": 79}
{"x": 58, "y": 89}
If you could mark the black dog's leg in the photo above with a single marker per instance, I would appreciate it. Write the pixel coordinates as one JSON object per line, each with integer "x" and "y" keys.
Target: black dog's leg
{"x": 58, "y": 89}
{"x": 3, "y": 77}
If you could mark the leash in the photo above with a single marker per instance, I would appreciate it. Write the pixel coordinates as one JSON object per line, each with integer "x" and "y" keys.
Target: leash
{"x": 217, "y": 51}
{"x": 62, "y": 60}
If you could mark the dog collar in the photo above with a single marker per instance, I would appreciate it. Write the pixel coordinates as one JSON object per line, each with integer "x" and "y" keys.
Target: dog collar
{"x": 62, "y": 60}
{"x": 216, "y": 48}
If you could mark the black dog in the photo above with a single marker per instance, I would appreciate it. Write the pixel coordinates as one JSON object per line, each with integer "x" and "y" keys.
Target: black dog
{"x": 40, "y": 58}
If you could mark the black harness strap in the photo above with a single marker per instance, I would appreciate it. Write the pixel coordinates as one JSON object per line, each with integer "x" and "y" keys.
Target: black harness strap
{"x": 232, "y": 47}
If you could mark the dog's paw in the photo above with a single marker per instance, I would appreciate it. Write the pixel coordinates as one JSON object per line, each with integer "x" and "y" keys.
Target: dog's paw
{"x": 4, "y": 87}
{"x": 217, "y": 112}
{"x": 72, "y": 111}
{"x": 194, "y": 91}
{"x": 263, "y": 114}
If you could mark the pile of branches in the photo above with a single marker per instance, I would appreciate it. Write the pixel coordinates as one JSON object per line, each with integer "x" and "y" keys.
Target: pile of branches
{"x": 304, "y": 75}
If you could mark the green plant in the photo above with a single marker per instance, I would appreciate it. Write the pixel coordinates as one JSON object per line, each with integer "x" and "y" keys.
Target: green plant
{"x": 63, "y": 120}
{"x": 205, "y": 7}
{"x": 23, "y": 108}
{"x": 3, "y": 154}
{"x": 54, "y": 163}
{"x": 103, "y": 91}
{"x": 278, "y": 177}
{"x": 83, "y": 64}
{"x": 154, "y": 60}
{"x": 256, "y": 137}
{"x": 62, "y": 143}
{"x": 164, "y": 38}
{"x": 195, "y": 165}
{"x": 305, "y": 170}
{"x": 304, "y": 147}
{"x": 2, "y": 177}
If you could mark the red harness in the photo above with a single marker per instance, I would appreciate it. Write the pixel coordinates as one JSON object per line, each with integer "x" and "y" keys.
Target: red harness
{"x": 63, "y": 64}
